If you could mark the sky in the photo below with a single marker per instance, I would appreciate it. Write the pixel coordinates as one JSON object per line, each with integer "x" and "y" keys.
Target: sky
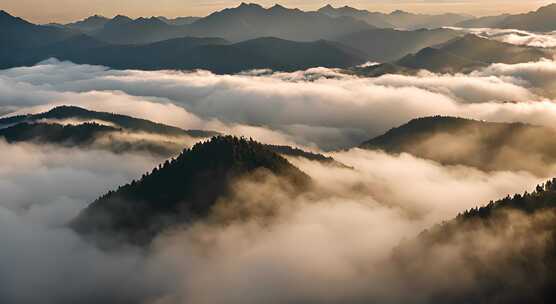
{"x": 42, "y": 11}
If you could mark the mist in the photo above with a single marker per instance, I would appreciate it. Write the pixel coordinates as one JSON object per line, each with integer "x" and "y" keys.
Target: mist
{"x": 324, "y": 245}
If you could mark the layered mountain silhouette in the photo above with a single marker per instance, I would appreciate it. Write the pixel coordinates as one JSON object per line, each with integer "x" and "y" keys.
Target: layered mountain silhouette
{"x": 462, "y": 54}
{"x": 485, "y": 145}
{"x": 179, "y": 20}
{"x": 17, "y": 34}
{"x": 184, "y": 190}
{"x": 214, "y": 54}
{"x": 89, "y": 24}
{"x": 541, "y": 20}
{"x": 397, "y": 19}
{"x": 385, "y": 45}
{"x": 249, "y": 21}
{"x": 75, "y": 127}
{"x": 502, "y": 252}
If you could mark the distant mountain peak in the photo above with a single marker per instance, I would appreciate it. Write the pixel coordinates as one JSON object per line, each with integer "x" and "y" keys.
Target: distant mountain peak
{"x": 121, "y": 18}
{"x": 7, "y": 19}
{"x": 245, "y": 5}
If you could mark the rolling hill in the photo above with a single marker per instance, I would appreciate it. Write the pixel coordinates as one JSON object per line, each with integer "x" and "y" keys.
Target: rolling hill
{"x": 184, "y": 190}
{"x": 484, "y": 145}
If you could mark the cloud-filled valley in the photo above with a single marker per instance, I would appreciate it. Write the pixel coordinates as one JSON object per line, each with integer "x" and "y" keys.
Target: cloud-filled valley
{"x": 252, "y": 156}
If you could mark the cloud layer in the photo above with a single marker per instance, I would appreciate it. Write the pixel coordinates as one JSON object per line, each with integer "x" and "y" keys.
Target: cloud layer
{"x": 316, "y": 108}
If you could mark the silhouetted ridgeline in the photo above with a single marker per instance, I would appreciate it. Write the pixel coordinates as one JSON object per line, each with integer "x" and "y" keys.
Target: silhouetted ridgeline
{"x": 182, "y": 190}
{"x": 485, "y": 145}
{"x": 122, "y": 121}
{"x": 459, "y": 55}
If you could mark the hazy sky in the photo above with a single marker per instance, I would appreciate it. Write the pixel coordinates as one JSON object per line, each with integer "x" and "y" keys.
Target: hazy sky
{"x": 43, "y": 11}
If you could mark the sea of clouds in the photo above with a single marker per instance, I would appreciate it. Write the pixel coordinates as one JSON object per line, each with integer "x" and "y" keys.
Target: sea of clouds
{"x": 332, "y": 245}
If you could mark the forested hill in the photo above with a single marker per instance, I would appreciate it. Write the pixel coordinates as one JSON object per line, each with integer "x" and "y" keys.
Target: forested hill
{"x": 503, "y": 252}
{"x": 485, "y": 145}
{"x": 183, "y": 190}
{"x": 126, "y": 122}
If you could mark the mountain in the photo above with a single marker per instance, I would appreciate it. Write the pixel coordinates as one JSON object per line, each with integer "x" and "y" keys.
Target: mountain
{"x": 129, "y": 123}
{"x": 461, "y": 54}
{"x": 541, "y": 20}
{"x": 503, "y": 252}
{"x": 249, "y": 21}
{"x": 179, "y": 20}
{"x": 484, "y": 145}
{"x": 396, "y": 19}
{"x": 17, "y": 34}
{"x": 50, "y": 133}
{"x": 89, "y": 24}
{"x": 384, "y": 45}
{"x": 483, "y": 22}
{"x": 491, "y": 51}
{"x": 123, "y": 30}
{"x": 438, "y": 61}
{"x": 185, "y": 189}
{"x": 71, "y": 126}
{"x": 372, "y": 18}
{"x": 212, "y": 54}
{"x": 406, "y": 20}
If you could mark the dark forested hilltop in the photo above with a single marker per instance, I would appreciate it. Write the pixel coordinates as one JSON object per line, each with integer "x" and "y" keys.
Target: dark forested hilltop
{"x": 503, "y": 252}
{"x": 183, "y": 189}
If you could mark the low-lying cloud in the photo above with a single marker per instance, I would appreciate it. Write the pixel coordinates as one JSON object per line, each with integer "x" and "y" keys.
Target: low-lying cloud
{"x": 513, "y": 36}
{"x": 324, "y": 246}
{"x": 320, "y": 108}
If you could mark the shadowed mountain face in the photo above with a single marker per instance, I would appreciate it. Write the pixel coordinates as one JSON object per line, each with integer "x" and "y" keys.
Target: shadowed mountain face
{"x": 179, "y": 20}
{"x": 89, "y": 24}
{"x": 541, "y": 20}
{"x": 485, "y": 145}
{"x": 384, "y": 45}
{"x": 212, "y": 54}
{"x": 185, "y": 189}
{"x": 249, "y": 21}
{"x": 462, "y": 54}
{"x": 504, "y": 252}
{"x": 397, "y": 19}
{"x": 17, "y": 34}
{"x": 375, "y": 19}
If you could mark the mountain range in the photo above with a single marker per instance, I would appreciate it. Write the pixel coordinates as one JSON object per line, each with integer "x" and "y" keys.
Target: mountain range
{"x": 252, "y": 37}
{"x": 461, "y": 54}
{"x": 541, "y": 20}
{"x": 397, "y": 19}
